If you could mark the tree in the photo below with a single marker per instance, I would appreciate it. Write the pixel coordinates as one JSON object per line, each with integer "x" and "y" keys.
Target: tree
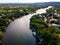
{"x": 58, "y": 21}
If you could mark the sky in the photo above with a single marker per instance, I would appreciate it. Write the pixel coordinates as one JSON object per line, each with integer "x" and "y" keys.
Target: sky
{"x": 27, "y": 1}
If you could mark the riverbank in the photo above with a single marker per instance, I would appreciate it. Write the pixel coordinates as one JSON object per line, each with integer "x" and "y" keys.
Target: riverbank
{"x": 43, "y": 29}
{"x": 10, "y": 13}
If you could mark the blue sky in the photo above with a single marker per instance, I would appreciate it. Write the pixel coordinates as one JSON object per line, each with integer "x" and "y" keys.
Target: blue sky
{"x": 26, "y": 1}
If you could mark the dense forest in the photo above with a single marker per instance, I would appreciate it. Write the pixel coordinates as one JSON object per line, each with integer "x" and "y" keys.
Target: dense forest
{"x": 42, "y": 24}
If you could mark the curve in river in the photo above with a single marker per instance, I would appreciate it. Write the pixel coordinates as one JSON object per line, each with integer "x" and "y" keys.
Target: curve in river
{"x": 18, "y": 32}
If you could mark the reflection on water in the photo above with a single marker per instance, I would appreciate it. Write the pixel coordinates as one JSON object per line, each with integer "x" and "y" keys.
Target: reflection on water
{"x": 18, "y": 32}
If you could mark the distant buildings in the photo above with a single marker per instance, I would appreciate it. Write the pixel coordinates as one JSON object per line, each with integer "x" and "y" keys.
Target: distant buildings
{"x": 56, "y": 13}
{"x": 52, "y": 18}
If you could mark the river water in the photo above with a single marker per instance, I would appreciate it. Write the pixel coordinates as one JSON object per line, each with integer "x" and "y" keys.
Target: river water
{"x": 18, "y": 31}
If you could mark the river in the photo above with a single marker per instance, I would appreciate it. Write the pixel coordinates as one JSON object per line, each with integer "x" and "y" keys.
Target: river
{"x": 18, "y": 31}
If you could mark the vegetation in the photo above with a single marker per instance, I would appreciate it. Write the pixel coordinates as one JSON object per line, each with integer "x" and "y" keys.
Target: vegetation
{"x": 49, "y": 34}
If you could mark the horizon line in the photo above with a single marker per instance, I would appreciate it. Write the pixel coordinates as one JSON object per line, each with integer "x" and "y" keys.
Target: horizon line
{"x": 29, "y": 2}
